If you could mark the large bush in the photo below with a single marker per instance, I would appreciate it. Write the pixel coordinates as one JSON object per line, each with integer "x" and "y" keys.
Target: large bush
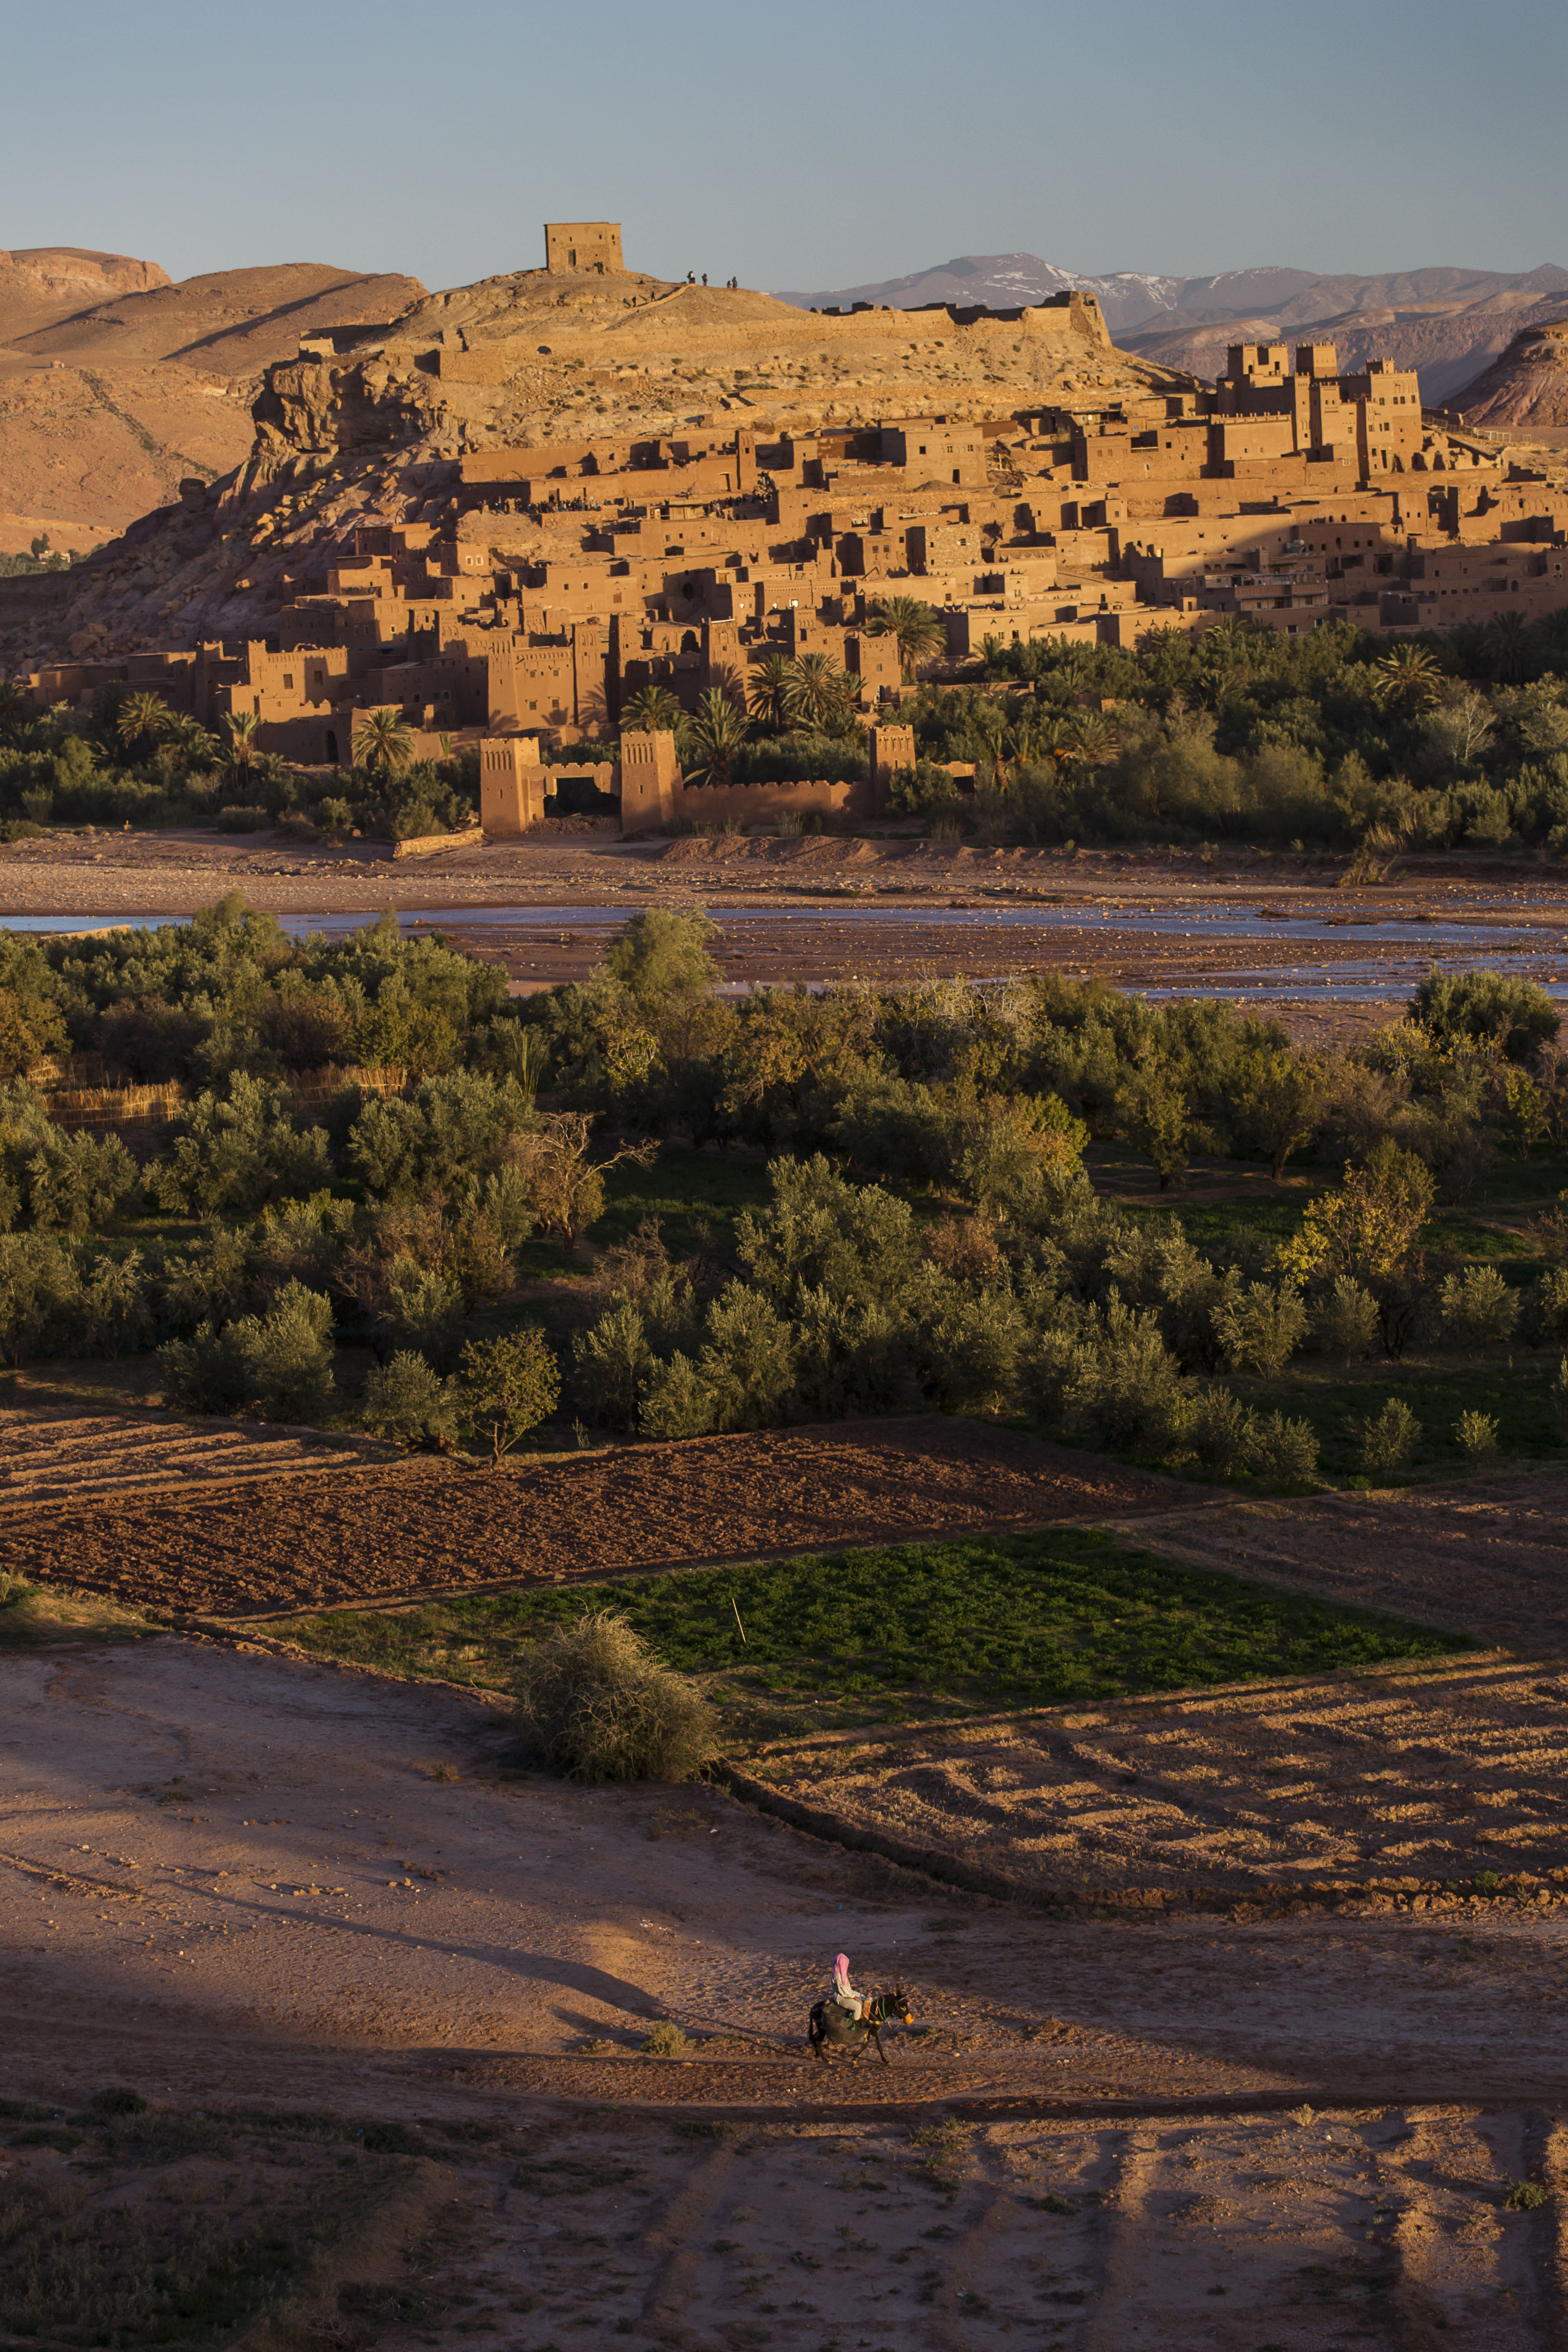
{"x": 597, "y": 1705}
{"x": 232, "y": 1149}
{"x": 276, "y": 1366}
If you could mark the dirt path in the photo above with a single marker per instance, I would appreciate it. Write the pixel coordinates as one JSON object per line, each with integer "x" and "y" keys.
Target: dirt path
{"x": 229, "y": 1877}
{"x": 425, "y": 1527}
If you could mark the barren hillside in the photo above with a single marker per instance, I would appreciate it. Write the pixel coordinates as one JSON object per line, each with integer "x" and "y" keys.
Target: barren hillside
{"x": 46, "y": 282}
{"x": 115, "y": 384}
{"x": 1528, "y": 384}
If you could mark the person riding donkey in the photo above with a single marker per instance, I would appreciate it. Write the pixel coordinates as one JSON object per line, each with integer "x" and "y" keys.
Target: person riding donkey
{"x": 844, "y": 1995}
{"x": 844, "y": 2018}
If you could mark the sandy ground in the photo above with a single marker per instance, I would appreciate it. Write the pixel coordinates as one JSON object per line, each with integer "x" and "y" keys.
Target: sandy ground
{"x": 1288, "y": 2134}
{"x": 425, "y": 1526}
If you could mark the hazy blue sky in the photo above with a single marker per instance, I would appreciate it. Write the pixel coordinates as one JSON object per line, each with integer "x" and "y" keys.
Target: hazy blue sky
{"x": 800, "y": 145}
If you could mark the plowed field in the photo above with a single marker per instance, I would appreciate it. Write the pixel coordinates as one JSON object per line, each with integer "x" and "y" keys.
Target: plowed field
{"x": 271, "y": 1546}
{"x": 1441, "y": 1775}
{"x": 63, "y": 1457}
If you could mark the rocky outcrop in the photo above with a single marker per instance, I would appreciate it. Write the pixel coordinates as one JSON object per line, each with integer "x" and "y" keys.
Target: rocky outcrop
{"x": 1528, "y": 384}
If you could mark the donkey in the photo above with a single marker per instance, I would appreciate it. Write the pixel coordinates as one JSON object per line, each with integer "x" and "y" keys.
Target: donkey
{"x": 831, "y": 2028}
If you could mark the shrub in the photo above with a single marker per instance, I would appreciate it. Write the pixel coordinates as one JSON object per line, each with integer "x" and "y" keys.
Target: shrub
{"x": 1346, "y": 1322}
{"x": 418, "y": 1310}
{"x": 1284, "y": 1453}
{"x": 28, "y": 1029}
{"x": 891, "y": 1127}
{"x": 40, "y": 1296}
{"x": 1260, "y": 1327}
{"x": 243, "y": 819}
{"x": 747, "y": 1359}
{"x": 438, "y": 1137}
{"x": 1478, "y": 1306}
{"x": 1388, "y": 1438}
{"x": 509, "y": 1385}
{"x": 235, "y": 1151}
{"x": 1480, "y": 1006}
{"x": 1128, "y": 1384}
{"x": 612, "y": 1364}
{"x": 663, "y": 953}
{"x": 75, "y": 1184}
{"x": 405, "y": 1400}
{"x": 596, "y": 1705}
{"x": 1549, "y": 1307}
{"x": 1476, "y": 1436}
{"x": 912, "y": 791}
{"x": 1557, "y": 1400}
{"x": 663, "y": 2040}
{"x": 278, "y": 1365}
{"x": 821, "y": 1233}
{"x": 1219, "y": 1430}
{"x": 678, "y": 1401}
{"x": 116, "y": 1311}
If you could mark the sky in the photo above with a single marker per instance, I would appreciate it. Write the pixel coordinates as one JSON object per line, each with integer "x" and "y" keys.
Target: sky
{"x": 803, "y": 146}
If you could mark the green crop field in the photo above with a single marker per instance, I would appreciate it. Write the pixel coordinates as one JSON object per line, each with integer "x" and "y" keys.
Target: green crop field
{"x": 920, "y": 1630}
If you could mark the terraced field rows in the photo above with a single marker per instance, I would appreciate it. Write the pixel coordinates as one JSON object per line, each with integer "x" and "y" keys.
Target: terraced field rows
{"x": 76, "y": 1458}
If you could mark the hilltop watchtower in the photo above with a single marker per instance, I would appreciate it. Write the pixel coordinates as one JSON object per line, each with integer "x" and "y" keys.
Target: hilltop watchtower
{"x": 575, "y": 246}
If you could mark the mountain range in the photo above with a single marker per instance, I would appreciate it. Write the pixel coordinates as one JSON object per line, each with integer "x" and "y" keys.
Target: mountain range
{"x": 1448, "y": 323}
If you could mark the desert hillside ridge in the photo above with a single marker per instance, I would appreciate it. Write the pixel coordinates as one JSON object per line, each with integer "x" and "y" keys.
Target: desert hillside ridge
{"x": 1443, "y": 322}
{"x": 115, "y": 383}
{"x": 1526, "y": 387}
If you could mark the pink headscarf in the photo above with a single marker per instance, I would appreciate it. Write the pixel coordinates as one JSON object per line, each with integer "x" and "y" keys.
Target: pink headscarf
{"x": 841, "y": 1973}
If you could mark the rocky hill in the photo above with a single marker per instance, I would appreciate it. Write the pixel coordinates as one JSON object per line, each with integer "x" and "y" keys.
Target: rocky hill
{"x": 374, "y": 431}
{"x": 115, "y": 384}
{"x": 46, "y": 282}
{"x": 1526, "y": 385}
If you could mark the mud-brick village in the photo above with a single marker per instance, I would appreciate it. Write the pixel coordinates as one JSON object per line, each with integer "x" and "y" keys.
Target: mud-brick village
{"x": 784, "y": 1184}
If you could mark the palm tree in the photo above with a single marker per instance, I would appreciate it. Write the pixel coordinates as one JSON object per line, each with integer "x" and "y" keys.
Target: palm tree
{"x": 767, "y": 691}
{"x": 1408, "y": 674}
{"x": 1071, "y": 672}
{"x": 651, "y": 710}
{"x": 815, "y": 690}
{"x": 241, "y": 747}
{"x": 1035, "y": 734}
{"x": 385, "y": 742}
{"x": 717, "y": 733}
{"x": 915, "y": 629}
{"x": 1094, "y": 740}
{"x": 196, "y": 746}
{"x": 141, "y": 718}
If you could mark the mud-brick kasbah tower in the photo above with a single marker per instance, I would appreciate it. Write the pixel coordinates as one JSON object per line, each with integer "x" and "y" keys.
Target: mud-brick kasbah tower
{"x": 573, "y": 247}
